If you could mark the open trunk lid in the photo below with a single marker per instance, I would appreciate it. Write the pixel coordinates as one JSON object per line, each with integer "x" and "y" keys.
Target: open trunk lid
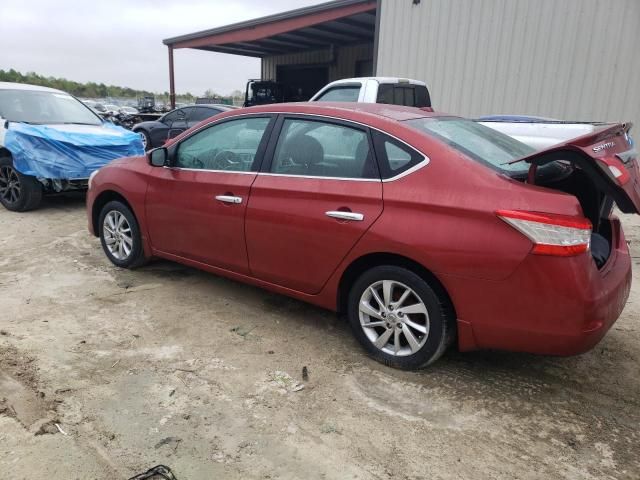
{"x": 608, "y": 156}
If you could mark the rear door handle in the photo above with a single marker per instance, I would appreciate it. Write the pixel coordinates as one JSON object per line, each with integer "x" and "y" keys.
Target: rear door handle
{"x": 340, "y": 215}
{"x": 229, "y": 199}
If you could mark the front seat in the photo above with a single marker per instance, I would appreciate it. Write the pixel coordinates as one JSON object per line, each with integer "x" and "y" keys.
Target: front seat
{"x": 306, "y": 154}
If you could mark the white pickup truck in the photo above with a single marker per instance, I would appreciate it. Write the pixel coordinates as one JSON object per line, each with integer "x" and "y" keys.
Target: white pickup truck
{"x": 396, "y": 91}
{"x": 536, "y": 132}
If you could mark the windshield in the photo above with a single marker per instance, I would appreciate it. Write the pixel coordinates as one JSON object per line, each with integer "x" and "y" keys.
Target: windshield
{"x": 481, "y": 143}
{"x": 44, "y": 108}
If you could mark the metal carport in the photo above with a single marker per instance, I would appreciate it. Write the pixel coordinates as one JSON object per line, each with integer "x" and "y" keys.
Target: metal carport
{"x": 338, "y": 23}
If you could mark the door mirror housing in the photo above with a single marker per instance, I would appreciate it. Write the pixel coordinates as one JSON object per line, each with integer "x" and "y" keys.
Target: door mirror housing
{"x": 158, "y": 157}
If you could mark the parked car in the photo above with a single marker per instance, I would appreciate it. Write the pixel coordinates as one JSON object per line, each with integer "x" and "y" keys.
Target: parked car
{"x": 112, "y": 109}
{"x": 51, "y": 142}
{"x": 156, "y": 132}
{"x": 100, "y": 108}
{"x": 388, "y": 90}
{"x": 127, "y": 110}
{"x": 418, "y": 225}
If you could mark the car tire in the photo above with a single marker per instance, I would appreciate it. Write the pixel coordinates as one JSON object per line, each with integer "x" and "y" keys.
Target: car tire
{"x": 146, "y": 140}
{"x": 18, "y": 192}
{"x": 120, "y": 235}
{"x": 389, "y": 304}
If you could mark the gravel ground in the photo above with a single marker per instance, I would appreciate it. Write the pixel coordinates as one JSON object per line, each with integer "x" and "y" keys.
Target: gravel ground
{"x": 106, "y": 372}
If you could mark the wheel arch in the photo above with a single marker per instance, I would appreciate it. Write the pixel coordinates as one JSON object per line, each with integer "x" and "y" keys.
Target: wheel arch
{"x": 371, "y": 260}
{"x": 101, "y": 200}
{"x": 5, "y": 152}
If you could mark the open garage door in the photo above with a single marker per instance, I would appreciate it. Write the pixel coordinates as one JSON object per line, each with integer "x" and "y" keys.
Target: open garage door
{"x": 302, "y": 81}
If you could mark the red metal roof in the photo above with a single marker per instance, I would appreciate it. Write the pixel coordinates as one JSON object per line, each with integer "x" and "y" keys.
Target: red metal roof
{"x": 338, "y": 22}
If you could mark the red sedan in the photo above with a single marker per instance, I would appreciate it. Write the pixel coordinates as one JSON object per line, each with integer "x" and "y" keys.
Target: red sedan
{"x": 425, "y": 229}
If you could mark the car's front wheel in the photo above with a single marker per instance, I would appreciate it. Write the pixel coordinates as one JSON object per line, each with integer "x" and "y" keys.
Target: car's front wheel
{"x": 18, "y": 192}
{"x": 146, "y": 140}
{"x": 120, "y": 235}
{"x": 398, "y": 318}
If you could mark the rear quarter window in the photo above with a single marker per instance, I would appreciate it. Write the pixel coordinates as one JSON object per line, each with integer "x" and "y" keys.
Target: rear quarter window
{"x": 394, "y": 157}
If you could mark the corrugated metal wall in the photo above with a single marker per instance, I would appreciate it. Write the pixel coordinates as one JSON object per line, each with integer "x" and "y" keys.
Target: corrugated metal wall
{"x": 344, "y": 65}
{"x": 569, "y": 59}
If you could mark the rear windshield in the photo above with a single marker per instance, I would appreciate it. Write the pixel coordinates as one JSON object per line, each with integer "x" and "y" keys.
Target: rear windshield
{"x": 44, "y": 108}
{"x": 402, "y": 94}
{"x": 478, "y": 142}
{"x": 348, "y": 93}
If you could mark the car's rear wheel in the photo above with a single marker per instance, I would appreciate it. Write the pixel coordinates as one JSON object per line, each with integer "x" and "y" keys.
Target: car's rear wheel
{"x": 18, "y": 192}
{"x": 120, "y": 235}
{"x": 399, "y": 318}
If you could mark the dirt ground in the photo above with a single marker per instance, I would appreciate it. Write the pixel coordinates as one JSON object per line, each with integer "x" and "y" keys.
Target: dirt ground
{"x": 171, "y": 365}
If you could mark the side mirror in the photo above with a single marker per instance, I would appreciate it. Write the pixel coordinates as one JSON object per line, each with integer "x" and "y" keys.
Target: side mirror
{"x": 158, "y": 157}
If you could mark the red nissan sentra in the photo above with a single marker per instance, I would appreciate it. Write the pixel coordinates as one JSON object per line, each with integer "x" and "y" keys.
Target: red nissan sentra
{"x": 423, "y": 228}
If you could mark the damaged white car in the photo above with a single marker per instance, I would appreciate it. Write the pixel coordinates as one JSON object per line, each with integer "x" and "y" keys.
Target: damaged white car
{"x": 50, "y": 142}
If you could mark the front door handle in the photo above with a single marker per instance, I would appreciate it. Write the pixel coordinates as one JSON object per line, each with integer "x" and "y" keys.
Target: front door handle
{"x": 340, "y": 215}
{"x": 229, "y": 199}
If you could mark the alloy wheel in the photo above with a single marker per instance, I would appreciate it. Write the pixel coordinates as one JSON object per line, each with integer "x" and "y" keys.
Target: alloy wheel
{"x": 118, "y": 236}
{"x": 9, "y": 184}
{"x": 143, "y": 137}
{"x": 394, "y": 318}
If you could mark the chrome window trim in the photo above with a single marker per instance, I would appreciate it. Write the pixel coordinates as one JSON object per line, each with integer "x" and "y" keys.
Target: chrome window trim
{"x": 184, "y": 169}
{"x": 411, "y": 170}
{"x": 269, "y": 174}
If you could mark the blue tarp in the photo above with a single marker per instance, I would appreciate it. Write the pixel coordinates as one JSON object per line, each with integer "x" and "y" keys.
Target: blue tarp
{"x": 68, "y": 151}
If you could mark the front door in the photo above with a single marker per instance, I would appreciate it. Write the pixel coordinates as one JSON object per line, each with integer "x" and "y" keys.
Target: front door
{"x": 321, "y": 192}
{"x": 180, "y": 123}
{"x": 196, "y": 208}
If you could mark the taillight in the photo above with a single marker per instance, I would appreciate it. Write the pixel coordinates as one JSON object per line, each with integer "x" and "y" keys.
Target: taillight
{"x": 551, "y": 234}
{"x": 617, "y": 169}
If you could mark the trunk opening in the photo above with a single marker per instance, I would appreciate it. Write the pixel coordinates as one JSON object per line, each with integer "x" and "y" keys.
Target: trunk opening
{"x": 596, "y": 204}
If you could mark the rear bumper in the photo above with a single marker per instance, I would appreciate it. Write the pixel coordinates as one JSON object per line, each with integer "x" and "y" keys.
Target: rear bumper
{"x": 550, "y": 305}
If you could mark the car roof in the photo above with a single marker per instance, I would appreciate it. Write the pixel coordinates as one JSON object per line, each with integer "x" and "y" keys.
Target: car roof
{"x": 211, "y": 105}
{"x": 26, "y": 86}
{"x": 344, "y": 109}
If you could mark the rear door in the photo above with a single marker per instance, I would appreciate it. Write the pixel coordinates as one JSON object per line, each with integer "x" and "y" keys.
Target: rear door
{"x": 319, "y": 191}
{"x": 180, "y": 122}
{"x": 608, "y": 155}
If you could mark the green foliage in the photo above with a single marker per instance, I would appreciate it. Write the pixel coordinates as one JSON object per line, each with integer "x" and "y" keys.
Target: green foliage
{"x": 83, "y": 90}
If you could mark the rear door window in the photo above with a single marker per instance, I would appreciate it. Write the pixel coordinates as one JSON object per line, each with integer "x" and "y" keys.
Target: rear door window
{"x": 323, "y": 149}
{"x": 347, "y": 93}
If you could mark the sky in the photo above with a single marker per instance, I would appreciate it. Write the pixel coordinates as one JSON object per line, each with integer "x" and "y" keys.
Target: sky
{"x": 119, "y": 42}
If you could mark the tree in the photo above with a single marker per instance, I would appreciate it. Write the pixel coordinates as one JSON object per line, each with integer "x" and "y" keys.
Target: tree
{"x": 83, "y": 90}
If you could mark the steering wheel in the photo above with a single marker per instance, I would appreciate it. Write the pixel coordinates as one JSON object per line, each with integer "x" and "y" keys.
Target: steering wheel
{"x": 226, "y": 160}
{"x": 190, "y": 161}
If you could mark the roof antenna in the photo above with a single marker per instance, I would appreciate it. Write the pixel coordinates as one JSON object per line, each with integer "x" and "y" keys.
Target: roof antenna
{"x": 416, "y": 2}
